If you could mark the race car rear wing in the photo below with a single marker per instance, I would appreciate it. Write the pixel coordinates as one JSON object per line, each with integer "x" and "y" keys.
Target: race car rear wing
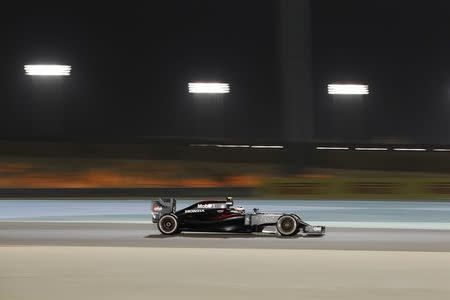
{"x": 162, "y": 207}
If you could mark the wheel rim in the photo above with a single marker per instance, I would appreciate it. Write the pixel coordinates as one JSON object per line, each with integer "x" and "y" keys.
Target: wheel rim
{"x": 287, "y": 225}
{"x": 168, "y": 224}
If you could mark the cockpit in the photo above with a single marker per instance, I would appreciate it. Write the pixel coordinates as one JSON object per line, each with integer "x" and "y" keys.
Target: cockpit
{"x": 230, "y": 206}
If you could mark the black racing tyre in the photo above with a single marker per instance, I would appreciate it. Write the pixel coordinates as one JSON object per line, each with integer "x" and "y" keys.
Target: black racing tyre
{"x": 287, "y": 225}
{"x": 299, "y": 222}
{"x": 168, "y": 224}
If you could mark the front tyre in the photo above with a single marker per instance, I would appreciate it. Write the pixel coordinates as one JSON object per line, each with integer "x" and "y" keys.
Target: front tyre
{"x": 299, "y": 222}
{"x": 287, "y": 225}
{"x": 168, "y": 224}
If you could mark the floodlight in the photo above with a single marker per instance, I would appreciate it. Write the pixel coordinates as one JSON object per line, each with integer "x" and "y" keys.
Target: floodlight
{"x": 208, "y": 88}
{"x": 348, "y": 89}
{"x": 47, "y": 70}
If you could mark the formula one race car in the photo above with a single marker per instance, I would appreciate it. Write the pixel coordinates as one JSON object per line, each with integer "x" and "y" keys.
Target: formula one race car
{"x": 223, "y": 216}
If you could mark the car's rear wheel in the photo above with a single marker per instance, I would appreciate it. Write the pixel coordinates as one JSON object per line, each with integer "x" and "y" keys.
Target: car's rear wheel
{"x": 168, "y": 224}
{"x": 287, "y": 225}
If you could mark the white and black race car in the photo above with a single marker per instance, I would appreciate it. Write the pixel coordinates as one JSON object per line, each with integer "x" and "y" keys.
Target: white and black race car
{"x": 223, "y": 216}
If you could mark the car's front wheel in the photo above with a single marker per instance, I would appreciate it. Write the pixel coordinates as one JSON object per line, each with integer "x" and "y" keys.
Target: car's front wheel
{"x": 168, "y": 224}
{"x": 287, "y": 225}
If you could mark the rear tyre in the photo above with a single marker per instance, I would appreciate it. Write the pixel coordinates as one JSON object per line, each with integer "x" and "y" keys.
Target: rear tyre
{"x": 168, "y": 224}
{"x": 287, "y": 225}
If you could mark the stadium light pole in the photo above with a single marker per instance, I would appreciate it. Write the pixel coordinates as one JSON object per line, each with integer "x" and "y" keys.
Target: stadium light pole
{"x": 209, "y": 106}
{"x": 348, "y": 109}
{"x": 47, "y": 99}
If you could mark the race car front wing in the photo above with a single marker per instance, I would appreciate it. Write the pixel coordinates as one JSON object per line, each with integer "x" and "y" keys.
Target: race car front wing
{"x": 314, "y": 230}
{"x": 270, "y": 219}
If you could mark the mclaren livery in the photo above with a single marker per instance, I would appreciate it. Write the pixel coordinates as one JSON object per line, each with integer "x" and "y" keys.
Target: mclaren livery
{"x": 223, "y": 216}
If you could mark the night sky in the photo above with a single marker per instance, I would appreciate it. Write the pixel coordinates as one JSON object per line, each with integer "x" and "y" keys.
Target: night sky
{"x": 131, "y": 66}
{"x": 401, "y": 49}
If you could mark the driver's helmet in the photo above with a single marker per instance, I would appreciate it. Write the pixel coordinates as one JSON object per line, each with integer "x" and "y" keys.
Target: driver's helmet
{"x": 239, "y": 209}
{"x": 229, "y": 201}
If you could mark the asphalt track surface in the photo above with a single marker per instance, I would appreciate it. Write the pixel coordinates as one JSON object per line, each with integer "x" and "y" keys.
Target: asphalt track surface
{"x": 109, "y": 250}
{"x": 147, "y": 235}
{"x": 74, "y": 273}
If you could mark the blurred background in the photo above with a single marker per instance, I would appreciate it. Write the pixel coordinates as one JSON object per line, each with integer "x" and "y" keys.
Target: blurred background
{"x": 125, "y": 123}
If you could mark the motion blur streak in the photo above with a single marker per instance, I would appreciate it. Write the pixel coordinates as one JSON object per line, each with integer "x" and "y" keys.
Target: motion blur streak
{"x": 362, "y": 214}
{"x": 411, "y": 149}
{"x": 267, "y": 147}
{"x": 370, "y": 149}
{"x": 233, "y": 146}
{"x": 332, "y": 148}
{"x": 239, "y": 146}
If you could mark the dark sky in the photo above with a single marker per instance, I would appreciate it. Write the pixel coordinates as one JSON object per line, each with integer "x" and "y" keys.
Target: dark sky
{"x": 131, "y": 65}
{"x": 401, "y": 49}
